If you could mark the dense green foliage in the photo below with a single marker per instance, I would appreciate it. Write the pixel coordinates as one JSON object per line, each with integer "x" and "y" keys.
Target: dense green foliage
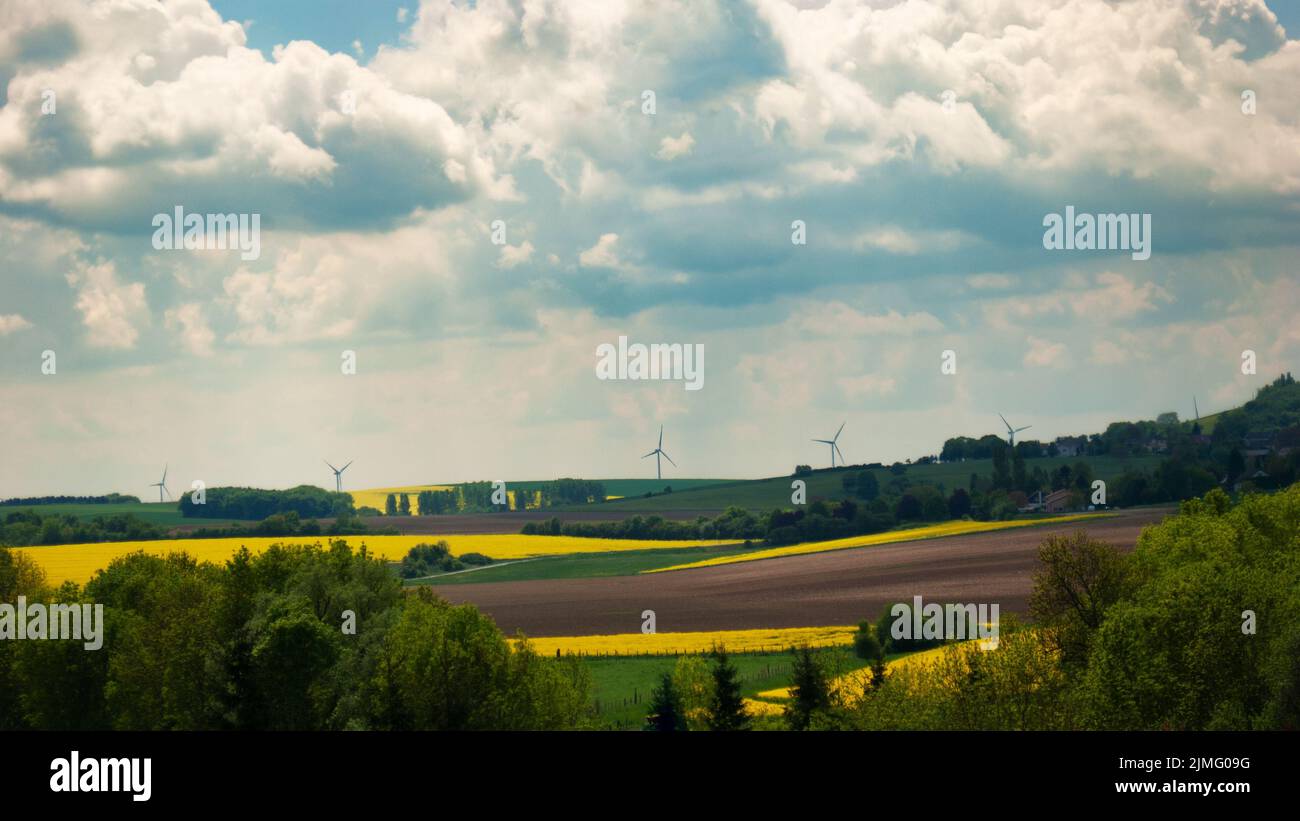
{"x": 428, "y": 559}
{"x": 263, "y": 643}
{"x": 23, "y": 528}
{"x": 36, "y": 501}
{"x": 308, "y": 501}
{"x": 734, "y": 523}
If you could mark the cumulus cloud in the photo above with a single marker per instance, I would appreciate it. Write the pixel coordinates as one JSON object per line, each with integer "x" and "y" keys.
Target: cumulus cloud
{"x": 192, "y": 328}
{"x": 604, "y": 254}
{"x": 10, "y": 323}
{"x": 670, "y": 148}
{"x": 1044, "y": 353}
{"x": 111, "y": 311}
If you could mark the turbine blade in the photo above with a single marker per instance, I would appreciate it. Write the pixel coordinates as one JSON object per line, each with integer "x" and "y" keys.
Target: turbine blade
{"x": 345, "y": 467}
{"x": 661, "y": 436}
{"x": 841, "y": 430}
{"x": 331, "y": 467}
{"x": 1004, "y": 421}
{"x": 651, "y": 453}
{"x": 840, "y": 452}
{"x": 1026, "y": 427}
{"x": 669, "y": 458}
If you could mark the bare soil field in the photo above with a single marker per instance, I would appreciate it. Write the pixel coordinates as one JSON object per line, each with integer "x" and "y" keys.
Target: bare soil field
{"x": 840, "y": 587}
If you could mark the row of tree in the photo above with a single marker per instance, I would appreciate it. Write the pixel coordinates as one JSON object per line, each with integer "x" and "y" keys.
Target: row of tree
{"x": 36, "y": 501}
{"x": 308, "y": 501}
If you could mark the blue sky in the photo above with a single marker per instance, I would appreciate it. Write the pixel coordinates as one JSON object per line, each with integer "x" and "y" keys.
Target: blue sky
{"x": 920, "y": 144}
{"x": 334, "y": 25}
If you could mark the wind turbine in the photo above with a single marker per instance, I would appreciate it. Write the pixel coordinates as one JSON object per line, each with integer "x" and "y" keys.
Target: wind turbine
{"x": 834, "y": 447}
{"x": 657, "y": 452}
{"x": 1011, "y": 432}
{"x": 162, "y": 485}
{"x": 338, "y": 475}
{"x": 1195, "y": 408}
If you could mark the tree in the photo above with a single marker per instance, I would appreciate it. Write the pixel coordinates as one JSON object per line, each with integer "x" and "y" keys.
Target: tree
{"x": 390, "y": 505}
{"x": 865, "y": 643}
{"x": 404, "y": 505}
{"x": 1079, "y": 580}
{"x": 810, "y": 692}
{"x": 909, "y": 508}
{"x": 959, "y": 504}
{"x": 1001, "y": 470}
{"x": 666, "y": 711}
{"x": 727, "y": 707}
{"x": 867, "y": 487}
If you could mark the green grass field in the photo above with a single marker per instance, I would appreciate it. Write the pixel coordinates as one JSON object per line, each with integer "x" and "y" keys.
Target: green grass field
{"x": 166, "y": 514}
{"x": 621, "y": 686}
{"x": 586, "y": 566}
{"x": 765, "y": 494}
{"x": 633, "y": 487}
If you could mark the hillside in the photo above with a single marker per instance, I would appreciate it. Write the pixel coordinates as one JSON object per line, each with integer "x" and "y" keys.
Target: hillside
{"x": 766, "y": 494}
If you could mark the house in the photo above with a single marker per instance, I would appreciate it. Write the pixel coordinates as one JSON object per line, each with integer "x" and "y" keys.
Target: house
{"x": 1157, "y": 445}
{"x": 1033, "y": 504}
{"x": 1070, "y": 446}
{"x": 1057, "y": 501}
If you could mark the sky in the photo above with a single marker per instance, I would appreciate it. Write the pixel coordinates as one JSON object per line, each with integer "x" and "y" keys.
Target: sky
{"x": 468, "y": 200}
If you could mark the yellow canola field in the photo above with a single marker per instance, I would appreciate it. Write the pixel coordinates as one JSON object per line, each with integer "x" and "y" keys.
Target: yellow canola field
{"x": 78, "y": 562}
{"x": 960, "y": 528}
{"x": 376, "y": 496}
{"x": 857, "y": 681}
{"x": 736, "y": 641}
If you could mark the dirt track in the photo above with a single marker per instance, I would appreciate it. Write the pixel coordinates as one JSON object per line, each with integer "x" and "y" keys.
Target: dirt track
{"x": 840, "y": 587}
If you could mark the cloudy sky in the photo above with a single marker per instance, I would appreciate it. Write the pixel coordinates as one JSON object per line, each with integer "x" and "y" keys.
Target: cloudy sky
{"x": 920, "y": 142}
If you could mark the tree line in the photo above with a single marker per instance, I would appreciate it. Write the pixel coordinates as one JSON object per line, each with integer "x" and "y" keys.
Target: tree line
{"x": 35, "y": 501}
{"x": 308, "y": 501}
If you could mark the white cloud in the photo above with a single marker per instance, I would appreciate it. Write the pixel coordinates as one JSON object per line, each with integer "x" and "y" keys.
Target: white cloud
{"x": 111, "y": 311}
{"x": 839, "y": 319}
{"x": 512, "y": 255}
{"x": 1044, "y": 353}
{"x": 192, "y": 327}
{"x": 9, "y": 323}
{"x": 604, "y": 254}
{"x": 670, "y": 148}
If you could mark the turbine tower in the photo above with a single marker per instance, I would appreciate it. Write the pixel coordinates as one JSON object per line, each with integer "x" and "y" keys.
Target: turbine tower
{"x": 657, "y": 452}
{"x": 1011, "y": 432}
{"x": 834, "y": 447}
{"x": 162, "y": 485}
{"x": 1196, "y": 409}
{"x": 338, "y": 476}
